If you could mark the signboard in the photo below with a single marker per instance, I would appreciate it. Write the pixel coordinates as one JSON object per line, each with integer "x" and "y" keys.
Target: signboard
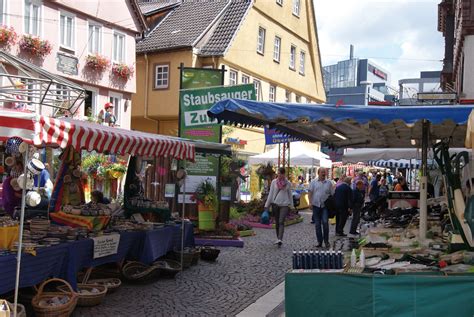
{"x": 405, "y": 199}
{"x": 436, "y": 96}
{"x": 226, "y": 193}
{"x": 106, "y": 245}
{"x": 187, "y": 199}
{"x": 67, "y": 64}
{"x": 193, "y": 181}
{"x": 195, "y": 123}
{"x": 170, "y": 190}
{"x": 274, "y": 137}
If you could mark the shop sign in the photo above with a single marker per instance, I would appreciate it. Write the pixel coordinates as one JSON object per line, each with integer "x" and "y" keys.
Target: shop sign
{"x": 226, "y": 193}
{"x": 106, "y": 245}
{"x": 272, "y": 136}
{"x": 170, "y": 190}
{"x": 67, "y": 64}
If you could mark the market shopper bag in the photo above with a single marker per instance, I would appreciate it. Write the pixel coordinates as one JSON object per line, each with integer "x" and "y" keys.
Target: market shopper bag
{"x": 62, "y": 310}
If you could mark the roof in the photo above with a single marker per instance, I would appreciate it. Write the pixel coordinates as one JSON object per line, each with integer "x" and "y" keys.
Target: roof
{"x": 227, "y": 28}
{"x": 350, "y": 125}
{"x": 148, "y": 8}
{"x": 183, "y": 26}
{"x": 138, "y": 15}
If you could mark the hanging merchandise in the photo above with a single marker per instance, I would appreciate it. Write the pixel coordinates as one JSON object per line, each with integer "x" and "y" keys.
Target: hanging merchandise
{"x": 13, "y": 145}
{"x": 33, "y": 199}
{"x": 35, "y": 166}
{"x": 29, "y": 181}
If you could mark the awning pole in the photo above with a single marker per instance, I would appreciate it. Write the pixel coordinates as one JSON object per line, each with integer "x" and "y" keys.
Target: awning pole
{"x": 424, "y": 179}
{"x": 182, "y": 217}
{"x": 20, "y": 234}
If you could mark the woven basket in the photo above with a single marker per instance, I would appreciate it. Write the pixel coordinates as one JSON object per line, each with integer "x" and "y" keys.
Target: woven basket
{"x": 64, "y": 310}
{"x": 20, "y": 310}
{"x": 136, "y": 272}
{"x": 209, "y": 254}
{"x": 112, "y": 284}
{"x": 89, "y": 299}
{"x": 188, "y": 257}
{"x": 168, "y": 268}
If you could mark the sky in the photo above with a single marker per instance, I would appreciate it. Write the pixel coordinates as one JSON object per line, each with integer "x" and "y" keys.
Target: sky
{"x": 399, "y": 35}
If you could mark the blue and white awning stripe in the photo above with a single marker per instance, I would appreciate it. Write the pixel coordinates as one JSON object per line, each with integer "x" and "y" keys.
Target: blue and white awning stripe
{"x": 395, "y": 164}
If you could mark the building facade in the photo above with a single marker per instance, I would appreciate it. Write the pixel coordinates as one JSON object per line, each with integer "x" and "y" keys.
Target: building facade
{"x": 272, "y": 44}
{"x": 79, "y": 33}
{"x": 428, "y": 82}
{"x": 456, "y": 22}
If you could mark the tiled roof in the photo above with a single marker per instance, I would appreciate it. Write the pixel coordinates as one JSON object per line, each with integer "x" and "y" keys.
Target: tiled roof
{"x": 225, "y": 31}
{"x": 182, "y": 26}
{"x": 156, "y": 5}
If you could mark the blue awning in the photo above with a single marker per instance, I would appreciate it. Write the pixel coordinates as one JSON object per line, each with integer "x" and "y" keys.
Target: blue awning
{"x": 349, "y": 125}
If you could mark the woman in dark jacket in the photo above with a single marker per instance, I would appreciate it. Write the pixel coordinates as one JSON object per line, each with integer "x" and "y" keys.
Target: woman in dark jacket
{"x": 358, "y": 197}
{"x": 343, "y": 198}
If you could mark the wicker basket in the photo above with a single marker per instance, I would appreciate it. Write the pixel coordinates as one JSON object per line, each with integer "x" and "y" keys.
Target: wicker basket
{"x": 209, "y": 254}
{"x": 20, "y": 310}
{"x": 63, "y": 310}
{"x": 188, "y": 257}
{"x": 168, "y": 268}
{"x": 88, "y": 299}
{"x": 136, "y": 272}
{"x": 112, "y": 284}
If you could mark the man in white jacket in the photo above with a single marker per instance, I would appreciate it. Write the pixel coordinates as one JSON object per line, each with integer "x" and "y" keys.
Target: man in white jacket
{"x": 281, "y": 200}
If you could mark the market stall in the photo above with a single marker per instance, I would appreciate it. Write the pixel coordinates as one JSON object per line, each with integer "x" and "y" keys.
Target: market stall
{"x": 396, "y": 241}
{"x": 20, "y": 132}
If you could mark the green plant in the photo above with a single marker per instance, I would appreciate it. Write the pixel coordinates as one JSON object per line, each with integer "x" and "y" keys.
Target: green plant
{"x": 234, "y": 213}
{"x": 206, "y": 194}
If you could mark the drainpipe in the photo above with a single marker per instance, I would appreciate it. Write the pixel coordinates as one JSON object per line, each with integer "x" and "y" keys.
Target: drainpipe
{"x": 146, "y": 93}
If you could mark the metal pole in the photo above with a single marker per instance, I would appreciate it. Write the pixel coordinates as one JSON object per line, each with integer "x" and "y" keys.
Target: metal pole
{"x": 182, "y": 218}
{"x": 424, "y": 179}
{"x": 20, "y": 235}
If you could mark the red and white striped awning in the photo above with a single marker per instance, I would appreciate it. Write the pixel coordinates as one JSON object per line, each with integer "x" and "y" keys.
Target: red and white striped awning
{"x": 45, "y": 131}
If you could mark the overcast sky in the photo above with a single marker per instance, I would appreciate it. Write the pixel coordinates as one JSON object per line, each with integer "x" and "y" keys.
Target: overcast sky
{"x": 400, "y": 35}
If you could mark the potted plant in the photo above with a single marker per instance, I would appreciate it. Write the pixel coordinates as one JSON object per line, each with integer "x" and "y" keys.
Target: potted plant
{"x": 122, "y": 71}
{"x": 35, "y": 46}
{"x": 206, "y": 198}
{"x": 97, "y": 62}
{"x": 117, "y": 170}
{"x": 7, "y": 35}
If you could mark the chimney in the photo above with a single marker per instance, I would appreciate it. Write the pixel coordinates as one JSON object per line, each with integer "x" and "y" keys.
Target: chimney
{"x": 351, "y": 54}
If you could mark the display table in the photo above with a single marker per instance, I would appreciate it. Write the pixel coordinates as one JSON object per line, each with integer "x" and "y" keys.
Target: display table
{"x": 8, "y": 235}
{"x": 378, "y": 295}
{"x": 90, "y": 222}
{"x": 67, "y": 259}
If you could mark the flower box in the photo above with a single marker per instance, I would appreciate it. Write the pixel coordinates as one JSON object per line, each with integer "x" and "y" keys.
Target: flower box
{"x": 122, "y": 71}
{"x": 97, "y": 62}
{"x": 7, "y": 35}
{"x": 35, "y": 46}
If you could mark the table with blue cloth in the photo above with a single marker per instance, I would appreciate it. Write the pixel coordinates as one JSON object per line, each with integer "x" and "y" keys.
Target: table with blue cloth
{"x": 67, "y": 259}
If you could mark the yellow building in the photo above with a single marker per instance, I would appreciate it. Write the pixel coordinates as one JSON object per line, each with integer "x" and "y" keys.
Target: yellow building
{"x": 271, "y": 43}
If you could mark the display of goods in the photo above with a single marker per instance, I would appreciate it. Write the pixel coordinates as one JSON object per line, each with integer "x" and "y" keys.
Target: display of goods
{"x": 39, "y": 225}
{"x": 136, "y": 272}
{"x": 54, "y": 304}
{"x": 209, "y": 254}
{"x": 88, "y": 294}
{"x": 112, "y": 284}
{"x": 323, "y": 260}
{"x": 20, "y": 309}
{"x": 168, "y": 268}
{"x": 7, "y": 221}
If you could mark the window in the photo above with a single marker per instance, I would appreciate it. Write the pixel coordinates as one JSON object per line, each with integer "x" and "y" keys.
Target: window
{"x": 116, "y": 100}
{"x": 287, "y": 96}
{"x": 95, "y": 38}
{"x": 66, "y": 30}
{"x": 32, "y": 17}
{"x": 245, "y": 79}
{"x": 90, "y": 102}
{"x": 302, "y": 62}
{"x": 232, "y": 78}
{"x": 119, "y": 48}
{"x": 296, "y": 7}
{"x": 298, "y": 99}
{"x": 292, "y": 57}
{"x": 3, "y": 12}
{"x": 258, "y": 88}
{"x": 276, "y": 49}
{"x": 272, "y": 93}
{"x": 162, "y": 76}
{"x": 261, "y": 41}
{"x": 279, "y": 2}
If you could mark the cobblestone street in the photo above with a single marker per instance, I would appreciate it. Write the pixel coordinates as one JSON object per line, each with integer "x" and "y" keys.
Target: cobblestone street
{"x": 236, "y": 280}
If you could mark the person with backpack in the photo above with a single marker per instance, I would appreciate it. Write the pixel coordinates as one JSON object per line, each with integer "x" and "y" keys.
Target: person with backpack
{"x": 280, "y": 199}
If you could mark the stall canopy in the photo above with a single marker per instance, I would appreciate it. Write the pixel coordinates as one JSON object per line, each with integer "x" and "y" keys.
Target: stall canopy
{"x": 45, "y": 131}
{"x": 349, "y": 125}
{"x": 366, "y": 154}
{"x": 300, "y": 155}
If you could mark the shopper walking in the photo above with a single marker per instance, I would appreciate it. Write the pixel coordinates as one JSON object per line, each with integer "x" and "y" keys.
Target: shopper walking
{"x": 281, "y": 200}
{"x": 374, "y": 190}
{"x": 319, "y": 191}
{"x": 343, "y": 198}
{"x": 357, "y": 204}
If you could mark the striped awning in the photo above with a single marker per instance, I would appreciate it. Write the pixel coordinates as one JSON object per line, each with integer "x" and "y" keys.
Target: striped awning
{"x": 396, "y": 164}
{"x": 45, "y": 131}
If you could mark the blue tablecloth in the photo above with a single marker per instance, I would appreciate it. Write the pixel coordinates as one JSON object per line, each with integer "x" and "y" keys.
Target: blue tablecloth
{"x": 65, "y": 260}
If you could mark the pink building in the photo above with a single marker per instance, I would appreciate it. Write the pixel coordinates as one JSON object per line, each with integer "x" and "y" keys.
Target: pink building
{"x": 82, "y": 34}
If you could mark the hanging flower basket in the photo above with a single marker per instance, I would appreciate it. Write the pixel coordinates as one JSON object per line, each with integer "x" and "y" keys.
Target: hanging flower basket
{"x": 97, "y": 62}
{"x": 35, "y": 46}
{"x": 122, "y": 71}
{"x": 8, "y": 35}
